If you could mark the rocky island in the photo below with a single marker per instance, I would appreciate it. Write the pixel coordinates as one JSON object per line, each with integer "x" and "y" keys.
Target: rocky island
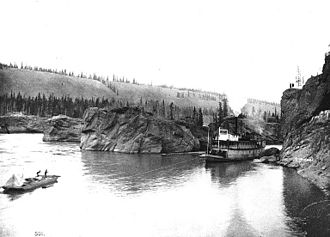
{"x": 131, "y": 130}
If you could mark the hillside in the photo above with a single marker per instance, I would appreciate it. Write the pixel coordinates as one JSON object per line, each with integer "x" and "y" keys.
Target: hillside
{"x": 31, "y": 82}
{"x": 200, "y": 99}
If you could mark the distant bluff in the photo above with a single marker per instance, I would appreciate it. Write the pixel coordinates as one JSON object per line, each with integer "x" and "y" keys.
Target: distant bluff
{"x": 305, "y": 127}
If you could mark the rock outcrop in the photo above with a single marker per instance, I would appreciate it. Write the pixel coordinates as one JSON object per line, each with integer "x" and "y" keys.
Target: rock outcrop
{"x": 270, "y": 155}
{"x": 62, "y": 128}
{"x": 131, "y": 130}
{"x": 273, "y": 151}
{"x": 21, "y": 123}
{"x": 306, "y": 128}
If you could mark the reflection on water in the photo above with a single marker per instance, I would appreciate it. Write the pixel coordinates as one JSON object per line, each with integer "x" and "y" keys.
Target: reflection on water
{"x": 227, "y": 173}
{"x": 310, "y": 209}
{"x": 112, "y": 194}
{"x": 122, "y": 173}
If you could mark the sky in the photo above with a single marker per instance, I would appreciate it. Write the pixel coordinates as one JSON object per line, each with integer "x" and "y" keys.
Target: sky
{"x": 246, "y": 49}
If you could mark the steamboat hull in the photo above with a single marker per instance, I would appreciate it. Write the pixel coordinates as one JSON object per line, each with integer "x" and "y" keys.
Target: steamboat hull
{"x": 233, "y": 155}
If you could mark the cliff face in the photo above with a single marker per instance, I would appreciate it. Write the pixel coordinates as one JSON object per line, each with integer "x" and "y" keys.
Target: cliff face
{"x": 62, "y": 128}
{"x": 306, "y": 128}
{"x": 130, "y": 130}
{"x": 300, "y": 105}
{"x": 308, "y": 149}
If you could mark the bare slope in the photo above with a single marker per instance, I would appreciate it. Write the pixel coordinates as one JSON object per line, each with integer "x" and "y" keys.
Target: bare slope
{"x": 30, "y": 83}
{"x": 133, "y": 93}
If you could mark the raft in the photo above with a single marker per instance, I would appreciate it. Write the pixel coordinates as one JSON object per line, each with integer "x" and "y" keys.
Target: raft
{"x": 31, "y": 184}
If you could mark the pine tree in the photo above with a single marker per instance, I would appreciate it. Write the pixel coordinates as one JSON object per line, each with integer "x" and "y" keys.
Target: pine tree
{"x": 200, "y": 118}
{"x": 265, "y": 116}
{"x": 171, "y": 111}
{"x": 215, "y": 119}
{"x": 220, "y": 115}
{"x": 225, "y": 108}
{"x": 163, "y": 109}
{"x": 194, "y": 114}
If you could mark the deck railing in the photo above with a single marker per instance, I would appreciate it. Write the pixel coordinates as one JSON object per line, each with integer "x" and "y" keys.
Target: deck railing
{"x": 239, "y": 145}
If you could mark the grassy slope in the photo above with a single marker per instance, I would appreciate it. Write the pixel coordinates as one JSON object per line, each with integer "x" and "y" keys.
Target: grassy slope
{"x": 30, "y": 83}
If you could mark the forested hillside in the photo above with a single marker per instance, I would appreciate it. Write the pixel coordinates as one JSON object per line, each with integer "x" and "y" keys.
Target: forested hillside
{"x": 47, "y": 92}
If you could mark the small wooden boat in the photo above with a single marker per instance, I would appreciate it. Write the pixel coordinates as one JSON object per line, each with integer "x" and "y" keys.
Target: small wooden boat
{"x": 31, "y": 184}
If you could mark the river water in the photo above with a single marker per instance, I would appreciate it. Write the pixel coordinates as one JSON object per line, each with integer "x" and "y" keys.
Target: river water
{"x": 111, "y": 194}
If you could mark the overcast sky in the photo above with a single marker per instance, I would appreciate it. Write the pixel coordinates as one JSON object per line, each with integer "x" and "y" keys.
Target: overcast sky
{"x": 242, "y": 48}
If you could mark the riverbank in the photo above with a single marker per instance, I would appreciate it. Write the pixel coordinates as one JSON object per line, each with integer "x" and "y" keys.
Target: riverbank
{"x": 307, "y": 149}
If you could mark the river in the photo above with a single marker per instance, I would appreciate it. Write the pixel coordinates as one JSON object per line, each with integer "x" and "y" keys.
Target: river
{"x": 112, "y": 194}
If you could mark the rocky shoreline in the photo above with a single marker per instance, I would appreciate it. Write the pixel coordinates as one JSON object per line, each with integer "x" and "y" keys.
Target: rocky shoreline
{"x": 126, "y": 130}
{"x": 20, "y": 123}
{"x": 55, "y": 129}
{"x": 307, "y": 149}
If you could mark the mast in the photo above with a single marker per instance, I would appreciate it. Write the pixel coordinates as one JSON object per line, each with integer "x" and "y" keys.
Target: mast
{"x": 299, "y": 79}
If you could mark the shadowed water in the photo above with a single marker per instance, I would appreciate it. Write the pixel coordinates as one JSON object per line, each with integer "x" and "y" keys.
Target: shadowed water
{"x": 111, "y": 194}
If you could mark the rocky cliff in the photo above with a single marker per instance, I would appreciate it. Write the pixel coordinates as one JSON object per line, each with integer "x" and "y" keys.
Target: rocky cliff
{"x": 306, "y": 128}
{"x": 300, "y": 105}
{"x": 131, "y": 130}
{"x": 62, "y": 128}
